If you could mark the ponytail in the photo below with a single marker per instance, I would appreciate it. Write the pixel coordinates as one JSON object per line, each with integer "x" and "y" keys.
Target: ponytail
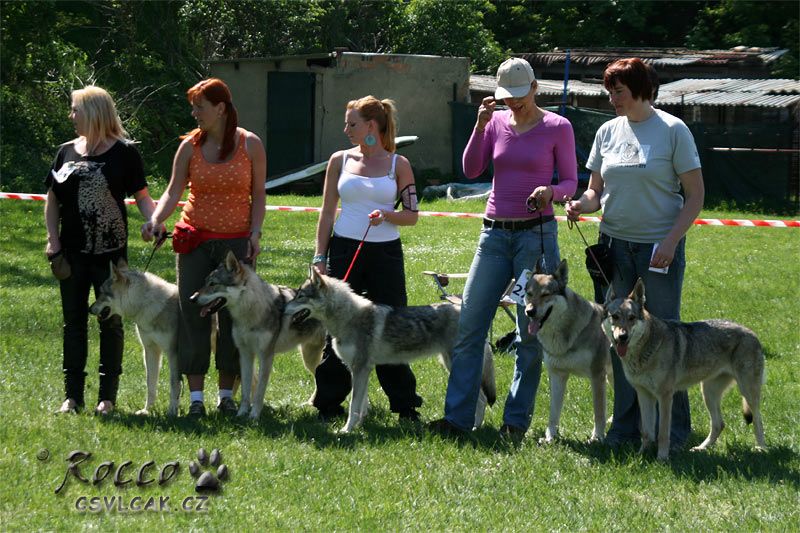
{"x": 383, "y": 112}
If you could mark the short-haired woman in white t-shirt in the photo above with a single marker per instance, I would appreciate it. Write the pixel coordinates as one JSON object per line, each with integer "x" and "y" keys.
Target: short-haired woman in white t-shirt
{"x": 646, "y": 176}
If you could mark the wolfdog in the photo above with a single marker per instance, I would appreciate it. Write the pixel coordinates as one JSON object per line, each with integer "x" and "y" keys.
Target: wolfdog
{"x": 570, "y": 330}
{"x": 260, "y": 329}
{"x": 662, "y": 356}
{"x": 366, "y": 334}
{"x": 152, "y": 304}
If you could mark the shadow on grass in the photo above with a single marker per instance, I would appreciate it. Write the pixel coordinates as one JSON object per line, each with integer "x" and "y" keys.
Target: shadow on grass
{"x": 379, "y": 428}
{"x": 742, "y": 461}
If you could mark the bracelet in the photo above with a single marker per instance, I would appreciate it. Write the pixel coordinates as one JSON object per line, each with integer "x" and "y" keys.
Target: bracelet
{"x": 256, "y": 233}
{"x": 319, "y": 258}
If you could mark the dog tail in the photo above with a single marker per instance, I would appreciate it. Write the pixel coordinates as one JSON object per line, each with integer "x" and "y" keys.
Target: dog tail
{"x": 488, "y": 379}
{"x": 747, "y": 412}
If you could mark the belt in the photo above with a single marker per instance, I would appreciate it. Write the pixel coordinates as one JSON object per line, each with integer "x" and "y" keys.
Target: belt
{"x": 516, "y": 225}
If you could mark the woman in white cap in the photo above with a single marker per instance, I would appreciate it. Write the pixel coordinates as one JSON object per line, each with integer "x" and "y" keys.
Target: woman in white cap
{"x": 526, "y": 144}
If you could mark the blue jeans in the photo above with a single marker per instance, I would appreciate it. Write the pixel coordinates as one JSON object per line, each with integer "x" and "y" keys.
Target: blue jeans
{"x": 501, "y": 255}
{"x": 663, "y": 300}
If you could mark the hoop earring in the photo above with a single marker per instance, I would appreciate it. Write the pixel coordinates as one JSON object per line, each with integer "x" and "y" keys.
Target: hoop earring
{"x": 370, "y": 140}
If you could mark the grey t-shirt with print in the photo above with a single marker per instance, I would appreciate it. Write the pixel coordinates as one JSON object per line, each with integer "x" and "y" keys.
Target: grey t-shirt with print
{"x": 640, "y": 163}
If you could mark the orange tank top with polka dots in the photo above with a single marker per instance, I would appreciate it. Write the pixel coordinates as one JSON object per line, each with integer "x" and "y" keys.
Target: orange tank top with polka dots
{"x": 219, "y": 193}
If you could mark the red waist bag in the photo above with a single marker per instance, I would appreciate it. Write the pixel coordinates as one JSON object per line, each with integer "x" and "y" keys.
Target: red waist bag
{"x": 185, "y": 238}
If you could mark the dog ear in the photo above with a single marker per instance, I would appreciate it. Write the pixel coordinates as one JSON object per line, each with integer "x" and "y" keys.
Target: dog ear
{"x": 115, "y": 273}
{"x": 637, "y": 294}
{"x": 231, "y": 263}
{"x": 538, "y": 268}
{"x": 122, "y": 264}
{"x": 610, "y": 297}
{"x": 562, "y": 274}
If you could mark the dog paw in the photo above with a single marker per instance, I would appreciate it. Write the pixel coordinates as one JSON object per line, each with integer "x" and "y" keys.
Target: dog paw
{"x": 243, "y": 411}
{"x": 663, "y": 457}
{"x": 210, "y": 480}
{"x": 143, "y": 412}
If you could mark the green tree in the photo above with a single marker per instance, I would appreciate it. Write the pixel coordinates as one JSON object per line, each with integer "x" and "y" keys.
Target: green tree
{"x": 450, "y": 29}
{"x": 732, "y": 23}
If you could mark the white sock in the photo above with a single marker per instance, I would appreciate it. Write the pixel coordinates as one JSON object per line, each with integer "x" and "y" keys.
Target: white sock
{"x": 225, "y": 393}
{"x": 196, "y": 395}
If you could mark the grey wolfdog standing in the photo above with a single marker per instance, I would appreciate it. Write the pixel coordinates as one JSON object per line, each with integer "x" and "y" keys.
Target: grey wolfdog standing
{"x": 152, "y": 303}
{"x": 570, "y": 330}
{"x": 260, "y": 329}
{"x": 662, "y": 356}
{"x": 366, "y": 334}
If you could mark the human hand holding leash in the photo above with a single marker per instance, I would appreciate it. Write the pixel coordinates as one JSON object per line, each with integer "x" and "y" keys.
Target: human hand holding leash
{"x": 377, "y": 217}
{"x": 574, "y": 208}
{"x": 540, "y": 198}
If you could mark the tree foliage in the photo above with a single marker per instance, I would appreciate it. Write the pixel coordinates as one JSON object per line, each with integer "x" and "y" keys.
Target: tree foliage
{"x": 147, "y": 53}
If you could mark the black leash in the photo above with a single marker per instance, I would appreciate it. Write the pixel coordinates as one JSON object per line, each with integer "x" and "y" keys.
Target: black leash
{"x": 156, "y": 245}
{"x": 570, "y": 225}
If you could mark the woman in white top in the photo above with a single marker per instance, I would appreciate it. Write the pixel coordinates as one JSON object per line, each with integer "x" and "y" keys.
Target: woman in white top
{"x": 371, "y": 181}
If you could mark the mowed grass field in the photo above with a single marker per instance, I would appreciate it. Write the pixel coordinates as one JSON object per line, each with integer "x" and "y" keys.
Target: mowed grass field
{"x": 290, "y": 471}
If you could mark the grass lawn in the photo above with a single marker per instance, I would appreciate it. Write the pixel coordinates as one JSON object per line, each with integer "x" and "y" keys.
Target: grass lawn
{"x": 289, "y": 471}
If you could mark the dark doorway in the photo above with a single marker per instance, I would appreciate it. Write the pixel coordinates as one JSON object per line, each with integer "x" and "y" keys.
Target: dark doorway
{"x": 290, "y": 121}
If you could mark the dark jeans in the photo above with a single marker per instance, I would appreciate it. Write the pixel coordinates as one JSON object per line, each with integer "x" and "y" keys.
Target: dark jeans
{"x": 89, "y": 271}
{"x": 663, "y": 300}
{"x": 194, "y": 331}
{"x": 379, "y": 275}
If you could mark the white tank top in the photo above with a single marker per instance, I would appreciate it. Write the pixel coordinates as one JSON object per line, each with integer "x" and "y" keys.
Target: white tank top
{"x": 361, "y": 195}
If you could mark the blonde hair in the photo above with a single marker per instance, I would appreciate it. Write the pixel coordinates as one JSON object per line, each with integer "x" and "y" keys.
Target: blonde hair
{"x": 99, "y": 116}
{"x": 383, "y": 112}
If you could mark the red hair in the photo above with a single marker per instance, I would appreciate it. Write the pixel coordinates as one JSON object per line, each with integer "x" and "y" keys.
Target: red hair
{"x": 634, "y": 74}
{"x": 215, "y": 91}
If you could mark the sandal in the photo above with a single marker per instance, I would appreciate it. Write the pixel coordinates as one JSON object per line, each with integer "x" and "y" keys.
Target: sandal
{"x": 69, "y": 406}
{"x": 104, "y": 408}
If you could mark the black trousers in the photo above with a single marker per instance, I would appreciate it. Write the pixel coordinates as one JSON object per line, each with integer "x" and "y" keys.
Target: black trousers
{"x": 89, "y": 271}
{"x": 378, "y": 274}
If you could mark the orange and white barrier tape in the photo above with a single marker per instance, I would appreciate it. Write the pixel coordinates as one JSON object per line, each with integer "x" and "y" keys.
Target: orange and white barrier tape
{"x": 447, "y": 214}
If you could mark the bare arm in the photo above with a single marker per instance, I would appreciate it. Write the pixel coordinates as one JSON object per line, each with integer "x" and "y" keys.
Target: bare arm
{"x": 52, "y": 216}
{"x": 404, "y": 217}
{"x": 330, "y": 200}
{"x": 169, "y": 200}
{"x": 589, "y": 202}
{"x": 258, "y": 195}
{"x": 694, "y": 195}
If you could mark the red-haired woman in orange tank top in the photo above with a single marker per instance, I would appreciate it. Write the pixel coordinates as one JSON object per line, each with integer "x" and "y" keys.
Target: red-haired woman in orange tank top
{"x": 225, "y": 168}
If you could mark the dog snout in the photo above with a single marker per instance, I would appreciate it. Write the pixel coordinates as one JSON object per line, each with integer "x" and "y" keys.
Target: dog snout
{"x": 622, "y": 336}
{"x": 193, "y": 298}
{"x": 530, "y": 311}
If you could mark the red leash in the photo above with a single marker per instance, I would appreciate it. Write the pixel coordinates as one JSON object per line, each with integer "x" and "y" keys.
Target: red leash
{"x": 358, "y": 250}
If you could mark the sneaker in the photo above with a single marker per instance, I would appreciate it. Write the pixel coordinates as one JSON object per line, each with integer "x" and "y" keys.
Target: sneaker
{"x": 69, "y": 406}
{"x": 445, "y": 428}
{"x": 104, "y": 408}
{"x": 410, "y": 415}
{"x": 507, "y": 431}
{"x": 197, "y": 410}
{"x": 227, "y": 406}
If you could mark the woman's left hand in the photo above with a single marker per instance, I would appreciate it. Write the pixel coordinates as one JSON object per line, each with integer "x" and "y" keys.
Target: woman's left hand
{"x": 664, "y": 254}
{"x": 541, "y": 197}
{"x": 377, "y": 217}
{"x": 254, "y": 246}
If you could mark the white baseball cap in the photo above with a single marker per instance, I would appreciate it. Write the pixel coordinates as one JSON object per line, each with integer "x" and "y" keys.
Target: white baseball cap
{"x": 514, "y": 78}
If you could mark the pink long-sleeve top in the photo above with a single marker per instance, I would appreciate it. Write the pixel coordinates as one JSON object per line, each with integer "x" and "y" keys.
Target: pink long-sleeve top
{"x": 522, "y": 162}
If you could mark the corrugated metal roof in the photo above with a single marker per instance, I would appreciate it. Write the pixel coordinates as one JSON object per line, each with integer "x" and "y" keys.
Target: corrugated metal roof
{"x": 730, "y": 92}
{"x": 487, "y": 84}
{"x": 658, "y": 56}
{"x": 713, "y": 92}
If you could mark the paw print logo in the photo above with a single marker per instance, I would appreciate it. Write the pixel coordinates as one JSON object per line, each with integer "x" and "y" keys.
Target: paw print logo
{"x": 208, "y": 481}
